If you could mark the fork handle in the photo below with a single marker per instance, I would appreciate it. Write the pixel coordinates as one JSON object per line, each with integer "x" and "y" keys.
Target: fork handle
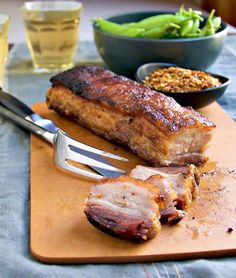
{"x": 15, "y": 105}
{"x": 37, "y": 130}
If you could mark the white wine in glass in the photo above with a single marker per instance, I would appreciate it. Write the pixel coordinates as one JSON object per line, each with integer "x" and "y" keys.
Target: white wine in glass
{"x": 4, "y": 26}
{"x": 52, "y": 33}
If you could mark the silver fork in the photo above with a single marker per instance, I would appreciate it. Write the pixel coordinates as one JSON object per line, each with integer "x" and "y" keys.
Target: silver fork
{"x": 65, "y": 148}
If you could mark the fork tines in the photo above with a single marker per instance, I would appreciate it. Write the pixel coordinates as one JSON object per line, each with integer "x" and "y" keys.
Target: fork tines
{"x": 68, "y": 149}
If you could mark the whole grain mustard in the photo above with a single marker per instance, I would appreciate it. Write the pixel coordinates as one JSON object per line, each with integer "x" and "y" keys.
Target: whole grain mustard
{"x": 176, "y": 79}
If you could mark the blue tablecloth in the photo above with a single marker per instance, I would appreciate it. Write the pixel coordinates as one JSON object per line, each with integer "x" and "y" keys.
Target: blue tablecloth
{"x": 15, "y": 258}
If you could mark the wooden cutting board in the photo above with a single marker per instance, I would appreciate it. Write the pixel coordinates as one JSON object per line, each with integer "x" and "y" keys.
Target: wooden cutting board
{"x": 60, "y": 233}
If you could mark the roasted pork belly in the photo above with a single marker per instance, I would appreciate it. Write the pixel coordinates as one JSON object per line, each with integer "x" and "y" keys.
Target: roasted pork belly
{"x": 132, "y": 207}
{"x": 124, "y": 207}
{"x": 151, "y": 124}
{"x": 182, "y": 180}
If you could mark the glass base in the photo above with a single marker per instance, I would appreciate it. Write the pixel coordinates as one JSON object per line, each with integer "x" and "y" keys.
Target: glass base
{"x": 52, "y": 68}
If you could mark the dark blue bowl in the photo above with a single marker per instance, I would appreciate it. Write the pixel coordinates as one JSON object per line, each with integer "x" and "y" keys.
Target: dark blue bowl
{"x": 197, "y": 99}
{"x": 124, "y": 55}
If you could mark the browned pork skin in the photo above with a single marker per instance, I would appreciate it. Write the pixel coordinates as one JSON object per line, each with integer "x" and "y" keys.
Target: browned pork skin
{"x": 151, "y": 124}
{"x": 124, "y": 207}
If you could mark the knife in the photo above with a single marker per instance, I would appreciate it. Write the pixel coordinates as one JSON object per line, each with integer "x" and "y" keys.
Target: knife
{"x": 22, "y": 110}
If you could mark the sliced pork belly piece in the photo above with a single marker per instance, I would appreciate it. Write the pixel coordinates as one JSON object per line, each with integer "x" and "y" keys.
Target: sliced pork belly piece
{"x": 169, "y": 212}
{"x": 124, "y": 207}
{"x": 151, "y": 124}
{"x": 182, "y": 179}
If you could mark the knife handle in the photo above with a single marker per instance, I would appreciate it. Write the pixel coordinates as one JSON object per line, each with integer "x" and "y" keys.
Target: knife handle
{"x": 30, "y": 126}
{"x": 14, "y": 105}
